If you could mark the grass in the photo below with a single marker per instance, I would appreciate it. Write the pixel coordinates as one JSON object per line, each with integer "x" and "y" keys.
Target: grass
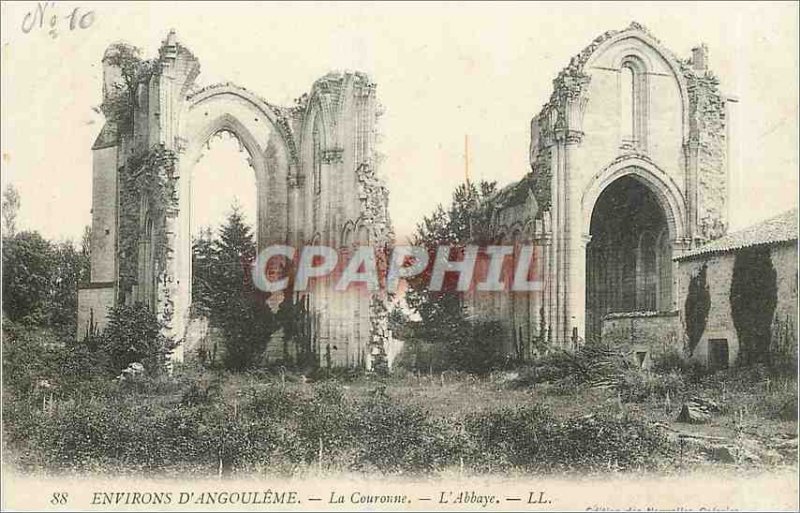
{"x": 202, "y": 422}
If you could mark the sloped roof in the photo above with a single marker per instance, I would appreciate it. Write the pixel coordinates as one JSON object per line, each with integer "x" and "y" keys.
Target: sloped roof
{"x": 107, "y": 137}
{"x": 515, "y": 193}
{"x": 781, "y": 228}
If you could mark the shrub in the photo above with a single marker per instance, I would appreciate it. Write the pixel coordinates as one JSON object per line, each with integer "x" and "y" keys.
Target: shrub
{"x": 753, "y": 297}
{"x": 270, "y": 427}
{"x": 531, "y": 438}
{"x": 475, "y": 347}
{"x": 637, "y": 385}
{"x": 672, "y": 360}
{"x": 508, "y": 437}
{"x": 696, "y": 308}
{"x": 135, "y": 334}
{"x": 30, "y": 356}
{"x": 395, "y": 437}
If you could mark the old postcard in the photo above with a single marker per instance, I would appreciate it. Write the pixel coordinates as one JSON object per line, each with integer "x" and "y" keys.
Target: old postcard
{"x": 399, "y": 256}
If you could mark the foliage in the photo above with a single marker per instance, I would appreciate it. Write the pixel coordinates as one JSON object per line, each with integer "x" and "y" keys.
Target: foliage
{"x": 673, "y": 360}
{"x": 223, "y": 290}
{"x": 638, "y": 385}
{"x": 696, "y": 308}
{"x": 30, "y": 357}
{"x": 531, "y": 438}
{"x": 11, "y": 204}
{"x": 471, "y": 346}
{"x": 399, "y": 323}
{"x": 462, "y": 223}
{"x": 753, "y": 298}
{"x": 135, "y": 334}
{"x": 27, "y": 277}
{"x": 443, "y": 319}
{"x": 120, "y": 103}
{"x": 147, "y": 179}
{"x": 475, "y": 347}
{"x": 272, "y": 428}
{"x": 40, "y": 281}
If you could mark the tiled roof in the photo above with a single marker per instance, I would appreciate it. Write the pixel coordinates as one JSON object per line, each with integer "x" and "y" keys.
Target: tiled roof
{"x": 782, "y": 228}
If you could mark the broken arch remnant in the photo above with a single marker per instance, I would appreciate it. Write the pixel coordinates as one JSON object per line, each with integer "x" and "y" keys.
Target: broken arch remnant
{"x": 483, "y": 269}
{"x": 316, "y": 182}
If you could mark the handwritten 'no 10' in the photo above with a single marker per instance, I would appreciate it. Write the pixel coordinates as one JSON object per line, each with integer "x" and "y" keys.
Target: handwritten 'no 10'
{"x": 44, "y": 13}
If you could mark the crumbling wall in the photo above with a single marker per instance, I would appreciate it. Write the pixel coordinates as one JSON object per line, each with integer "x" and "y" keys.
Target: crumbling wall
{"x": 374, "y": 198}
{"x": 707, "y": 125}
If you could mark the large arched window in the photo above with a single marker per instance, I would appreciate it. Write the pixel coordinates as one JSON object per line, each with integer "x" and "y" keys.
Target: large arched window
{"x": 647, "y": 294}
{"x": 664, "y": 271}
{"x": 633, "y": 104}
{"x": 627, "y": 114}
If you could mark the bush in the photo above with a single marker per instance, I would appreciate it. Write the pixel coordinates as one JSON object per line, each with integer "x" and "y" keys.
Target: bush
{"x": 475, "y": 347}
{"x": 30, "y": 357}
{"x": 674, "y": 361}
{"x": 269, "y": 427}
{"x": 394, "y": 437}
{"x": 532, "y": 439}
{"x": 135, "y": 334}
{"x": 637, "y": 386}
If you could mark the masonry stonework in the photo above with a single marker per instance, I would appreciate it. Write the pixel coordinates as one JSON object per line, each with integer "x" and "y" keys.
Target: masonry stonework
{"x": 315, "y": 168}
{"x": 719, "y": 276}
{"x": 629, "y": 130}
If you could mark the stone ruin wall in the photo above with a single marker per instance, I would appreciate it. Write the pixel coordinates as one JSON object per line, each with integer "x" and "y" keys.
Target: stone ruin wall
{"x": 143, "y": 230}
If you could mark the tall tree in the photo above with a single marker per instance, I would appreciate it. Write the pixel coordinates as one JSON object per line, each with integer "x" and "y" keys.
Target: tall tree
{"x": 40, "y": 281}
{"x": 223, "y": 290}
{"x": 463, "y": 344}
{"x": 204, "y": 260}
{"x": 465, "y": 221}
{"x": 28, "y": 263}
{"x": 11, "y": 203}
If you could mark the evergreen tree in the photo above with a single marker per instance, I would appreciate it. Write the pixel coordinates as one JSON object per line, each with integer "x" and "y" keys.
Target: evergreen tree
{"x": 203, "y": 266}
{"x": 223, "y": 290}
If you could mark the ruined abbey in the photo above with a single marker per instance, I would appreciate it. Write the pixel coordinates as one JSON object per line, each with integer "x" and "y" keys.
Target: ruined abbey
{"x": 628, "y": 171}
{"x": 628, "y": 181}
{"x": 314, "y": 164}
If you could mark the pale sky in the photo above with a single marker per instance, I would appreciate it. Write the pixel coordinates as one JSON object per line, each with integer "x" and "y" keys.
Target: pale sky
{"x": 443, "y": 71}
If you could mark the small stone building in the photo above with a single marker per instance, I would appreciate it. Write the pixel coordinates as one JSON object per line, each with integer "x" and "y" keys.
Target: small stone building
{"x": 739, "y": 267}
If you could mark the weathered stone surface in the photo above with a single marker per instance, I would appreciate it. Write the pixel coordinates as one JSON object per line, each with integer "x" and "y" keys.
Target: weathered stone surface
{"x": 131, "y": 372}
{"x": 316, "y": 170}
{"x": 697, "y": 411}
{"x": 675, "y": 144}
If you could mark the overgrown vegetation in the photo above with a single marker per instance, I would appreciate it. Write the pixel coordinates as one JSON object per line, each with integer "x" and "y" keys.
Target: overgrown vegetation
{"x": 41, "y": 277}
{"x": 134, "y": 335}
{"x": 696, "y": 308}
{"x": 753, "y": 297}
{"x": 222, "y": 290}
{"x": 459, "y": 343}
{"x": 279, "y": 428}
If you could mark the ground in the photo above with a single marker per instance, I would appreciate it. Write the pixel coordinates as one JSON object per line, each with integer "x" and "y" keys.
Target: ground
{"x": 529, "y": 419}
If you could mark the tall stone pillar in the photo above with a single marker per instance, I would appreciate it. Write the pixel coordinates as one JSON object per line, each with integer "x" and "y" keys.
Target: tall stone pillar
{"x": 571, "y": 91}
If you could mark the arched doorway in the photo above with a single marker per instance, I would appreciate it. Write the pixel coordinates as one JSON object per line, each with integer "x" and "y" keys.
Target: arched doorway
{"x": 629, "y": 255}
